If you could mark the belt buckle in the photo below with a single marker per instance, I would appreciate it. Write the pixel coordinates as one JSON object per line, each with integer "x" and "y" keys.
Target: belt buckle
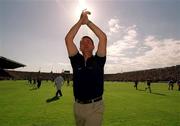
{"x": 89, "y": 101}
{"x": 97, "y": 99}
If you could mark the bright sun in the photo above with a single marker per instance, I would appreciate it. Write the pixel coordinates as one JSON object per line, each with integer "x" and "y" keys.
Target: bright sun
{"x": 82, "y": 5}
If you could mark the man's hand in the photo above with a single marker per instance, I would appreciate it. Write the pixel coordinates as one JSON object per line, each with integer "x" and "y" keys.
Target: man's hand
{"x": 84, "y": 16}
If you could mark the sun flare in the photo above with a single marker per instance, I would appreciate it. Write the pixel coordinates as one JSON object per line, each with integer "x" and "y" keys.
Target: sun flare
{"x": 89, "y": 6}
{"x": 82, "y": 5}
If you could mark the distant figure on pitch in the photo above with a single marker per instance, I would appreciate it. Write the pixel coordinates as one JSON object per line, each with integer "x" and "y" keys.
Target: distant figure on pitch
{"x": 148, "y": 85}
{"x": 68, "y": 81}
{"x": 58, "y": 83}
{"x": 136, "y": 84}
{"x": 171, "y": 84}
{"x": 178, "y": 84}
{"x": 39, "y": 82}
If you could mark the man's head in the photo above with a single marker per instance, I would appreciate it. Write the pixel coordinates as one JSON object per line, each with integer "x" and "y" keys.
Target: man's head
{"x": 86, "y": 45}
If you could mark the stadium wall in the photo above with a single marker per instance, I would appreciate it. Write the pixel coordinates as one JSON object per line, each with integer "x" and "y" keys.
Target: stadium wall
{"x": 159, "y": 74}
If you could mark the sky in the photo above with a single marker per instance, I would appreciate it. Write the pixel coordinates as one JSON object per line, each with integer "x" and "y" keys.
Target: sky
{"x": 142, "y": 34}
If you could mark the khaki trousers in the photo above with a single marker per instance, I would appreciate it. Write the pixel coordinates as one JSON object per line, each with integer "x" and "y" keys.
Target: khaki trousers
{"x": 89, "y": 114}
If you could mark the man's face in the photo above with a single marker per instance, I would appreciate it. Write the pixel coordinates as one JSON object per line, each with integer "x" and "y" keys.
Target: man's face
{"x": 86, "y": 45}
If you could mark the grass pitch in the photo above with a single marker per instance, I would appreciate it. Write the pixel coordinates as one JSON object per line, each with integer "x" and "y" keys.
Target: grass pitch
{"x": 22, "y": 105}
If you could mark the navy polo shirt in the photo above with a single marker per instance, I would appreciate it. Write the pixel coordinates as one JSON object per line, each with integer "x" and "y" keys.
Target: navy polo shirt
{"x": 88, "y": 76}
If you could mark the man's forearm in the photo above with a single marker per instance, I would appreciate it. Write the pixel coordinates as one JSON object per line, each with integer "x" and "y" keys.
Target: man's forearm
{"x": 99, "y": 33}
{"x": 73, "y": 31}
{"x": 101, "y": 51}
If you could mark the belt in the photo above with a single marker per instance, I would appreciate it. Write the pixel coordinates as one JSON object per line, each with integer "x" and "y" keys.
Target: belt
{"x": 88, "y": 101}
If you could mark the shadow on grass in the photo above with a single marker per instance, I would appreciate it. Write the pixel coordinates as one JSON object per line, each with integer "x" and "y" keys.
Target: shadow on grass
{"x": 141, "y": 90}
{"x": 35, "y": 88}
{"x": 52, "y": 99}
{"x": 153, "y": 92}
{"x": 158, "y": 94}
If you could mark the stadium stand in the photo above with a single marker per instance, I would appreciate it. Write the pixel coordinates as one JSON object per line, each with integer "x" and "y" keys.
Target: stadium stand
{"x": 155, "y": 75}
{"x": 159, "y": 74}
{"x": 7, "y": 64}
{"x": 4, "y": 75}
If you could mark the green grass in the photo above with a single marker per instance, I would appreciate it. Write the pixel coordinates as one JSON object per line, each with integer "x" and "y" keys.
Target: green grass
{"x": 20, "y": 105}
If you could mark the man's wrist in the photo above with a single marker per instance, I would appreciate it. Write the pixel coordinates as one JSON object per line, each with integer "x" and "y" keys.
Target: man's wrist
{"x": 89, "y": 22}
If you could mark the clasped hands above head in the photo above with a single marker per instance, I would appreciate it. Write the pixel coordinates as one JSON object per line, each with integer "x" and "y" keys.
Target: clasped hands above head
{"x": 84, "y": 16}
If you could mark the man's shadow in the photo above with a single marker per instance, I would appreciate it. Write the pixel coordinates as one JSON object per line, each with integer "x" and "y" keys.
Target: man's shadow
{"x": 52, "y": 99}
{"x": 34, "y": 88}
{"x": 141, "y": 90}
{"x": 159, "y": 94}
{"x": 152, "y": 92}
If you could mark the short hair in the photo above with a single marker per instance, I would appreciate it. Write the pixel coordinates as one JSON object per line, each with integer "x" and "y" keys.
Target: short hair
{"x": 88, "y": 38}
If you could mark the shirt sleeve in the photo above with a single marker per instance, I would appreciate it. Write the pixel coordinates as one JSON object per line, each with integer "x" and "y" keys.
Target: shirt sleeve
{"x": 100, "y": 60}
{"x": 75, "y": 59}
